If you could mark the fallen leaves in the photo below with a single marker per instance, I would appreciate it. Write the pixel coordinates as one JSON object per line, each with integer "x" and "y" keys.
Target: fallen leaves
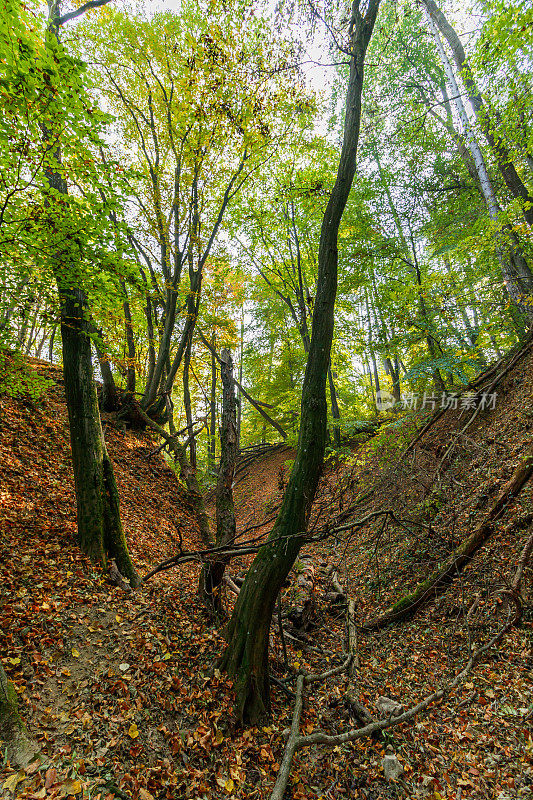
{"x": 133, "y": 731}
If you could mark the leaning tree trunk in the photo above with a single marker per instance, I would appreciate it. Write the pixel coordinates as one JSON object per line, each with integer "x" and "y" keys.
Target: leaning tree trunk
{"x": 213, "y": 572}
{"x": 246, "y": 656}
{"x": 485, "y": 115}
{"x": 100, "y": 530}
{"x": 516, "y": 273}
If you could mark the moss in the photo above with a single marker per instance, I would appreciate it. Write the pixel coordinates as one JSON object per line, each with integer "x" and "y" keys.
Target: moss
{"x": 409, "y": 599}
{"x": 20, "y": 749}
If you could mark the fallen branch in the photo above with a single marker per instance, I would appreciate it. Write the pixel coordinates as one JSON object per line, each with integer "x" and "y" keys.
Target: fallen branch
{"x": 230, "y": 584}
{"x": 296, "y": 742}
{"x": 444, "y": 574}
{"x": 352, "y": 637}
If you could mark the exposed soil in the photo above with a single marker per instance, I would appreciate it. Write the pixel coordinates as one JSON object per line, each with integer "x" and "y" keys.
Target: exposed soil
{"x": 119, "y": 688}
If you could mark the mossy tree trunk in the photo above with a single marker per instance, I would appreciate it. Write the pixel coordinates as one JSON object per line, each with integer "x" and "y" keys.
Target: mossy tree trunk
{"x": 20, "y": 749}
{"x": 100, "y": 530}
{"x": 246, "y": 655}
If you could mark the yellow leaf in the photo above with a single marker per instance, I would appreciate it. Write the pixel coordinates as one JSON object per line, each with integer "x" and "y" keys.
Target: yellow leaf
{"x": 133, "y": 731}
{"x": 14, "y": 661}
{"x": 229, "y": 786}
{"x": 75, "y": 653}
{"x": 70, "y": 787}
{"x": 13, "y": 780}
{"x": 145, "y": 795}
{"x": 219, "y": 738}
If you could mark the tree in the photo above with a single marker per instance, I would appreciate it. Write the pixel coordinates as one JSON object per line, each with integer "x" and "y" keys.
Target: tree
{"x": 100, "y": 530}
{"x": 213, "y": 573}
{"x": 517, "y": 275}
{"x": 246, "y": 655}
{"x": 202, "y": 101}
{"x": 20, "y": 749}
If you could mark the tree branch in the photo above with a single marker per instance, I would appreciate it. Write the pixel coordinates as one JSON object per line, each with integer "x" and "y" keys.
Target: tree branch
{"x": 81, "y": 10}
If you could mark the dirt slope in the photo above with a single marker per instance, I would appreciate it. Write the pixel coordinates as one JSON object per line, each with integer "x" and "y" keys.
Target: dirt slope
{"x": 119, "y": 690}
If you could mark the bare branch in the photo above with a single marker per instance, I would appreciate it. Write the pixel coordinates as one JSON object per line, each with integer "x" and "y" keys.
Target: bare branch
{"x": 81, "y": 10}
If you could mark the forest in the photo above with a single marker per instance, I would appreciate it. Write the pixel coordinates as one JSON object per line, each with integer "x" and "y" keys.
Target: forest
{"x": 266, "y": 358}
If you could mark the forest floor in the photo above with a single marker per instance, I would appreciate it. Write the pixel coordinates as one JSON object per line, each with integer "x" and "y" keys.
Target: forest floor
{"x": 119, "y": 689}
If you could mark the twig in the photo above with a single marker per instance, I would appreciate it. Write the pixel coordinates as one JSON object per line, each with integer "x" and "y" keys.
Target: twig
{"x": 230, "y": 584}
{"x": 352, "y": 637}
{"x": 296, "y": 742}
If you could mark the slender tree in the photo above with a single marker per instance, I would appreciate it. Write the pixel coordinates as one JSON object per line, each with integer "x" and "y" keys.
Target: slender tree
{"x": 246, "y": 656}
{"x": 100, "y": 530}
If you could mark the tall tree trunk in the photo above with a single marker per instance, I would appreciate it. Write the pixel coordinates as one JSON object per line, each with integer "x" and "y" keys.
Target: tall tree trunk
{"x": 130, "y": 343}
{"x": 374, "y": 373}
{"x": 239, "y": 394}
{"x": 485, "y": 115}
{"x": 100, "y": 530}
{"x": 414, "y": 268}
{"x": 212, "y": 442}
{"x": 35, "y": 315}
{"x": 39, "y": 348}
{"x": 187, "y": 403}
{"x": 51, "y": 344}
{"x": 246, "y": 656}
{"x": 269, "y": 378}
{"x": 517, "y": 275}
{"x": 213, "y": 573}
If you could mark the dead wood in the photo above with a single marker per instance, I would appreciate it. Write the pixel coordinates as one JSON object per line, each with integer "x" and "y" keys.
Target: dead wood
{"x": 230, "y": 584}
{"x": 213, "y": 572}
{"x": 439, "y": 580}
{"x": 352, "y": 637}
{"x": 297, "y": 742}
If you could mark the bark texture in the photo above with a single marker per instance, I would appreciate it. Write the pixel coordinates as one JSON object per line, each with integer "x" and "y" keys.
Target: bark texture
{"x": 213, "y": 572}
{"x": 20, "y": 749}
{"x": 246, "y": 656}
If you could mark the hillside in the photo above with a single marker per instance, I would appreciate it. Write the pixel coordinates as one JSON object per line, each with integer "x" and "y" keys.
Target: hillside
{"x": 118, "y": 688}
